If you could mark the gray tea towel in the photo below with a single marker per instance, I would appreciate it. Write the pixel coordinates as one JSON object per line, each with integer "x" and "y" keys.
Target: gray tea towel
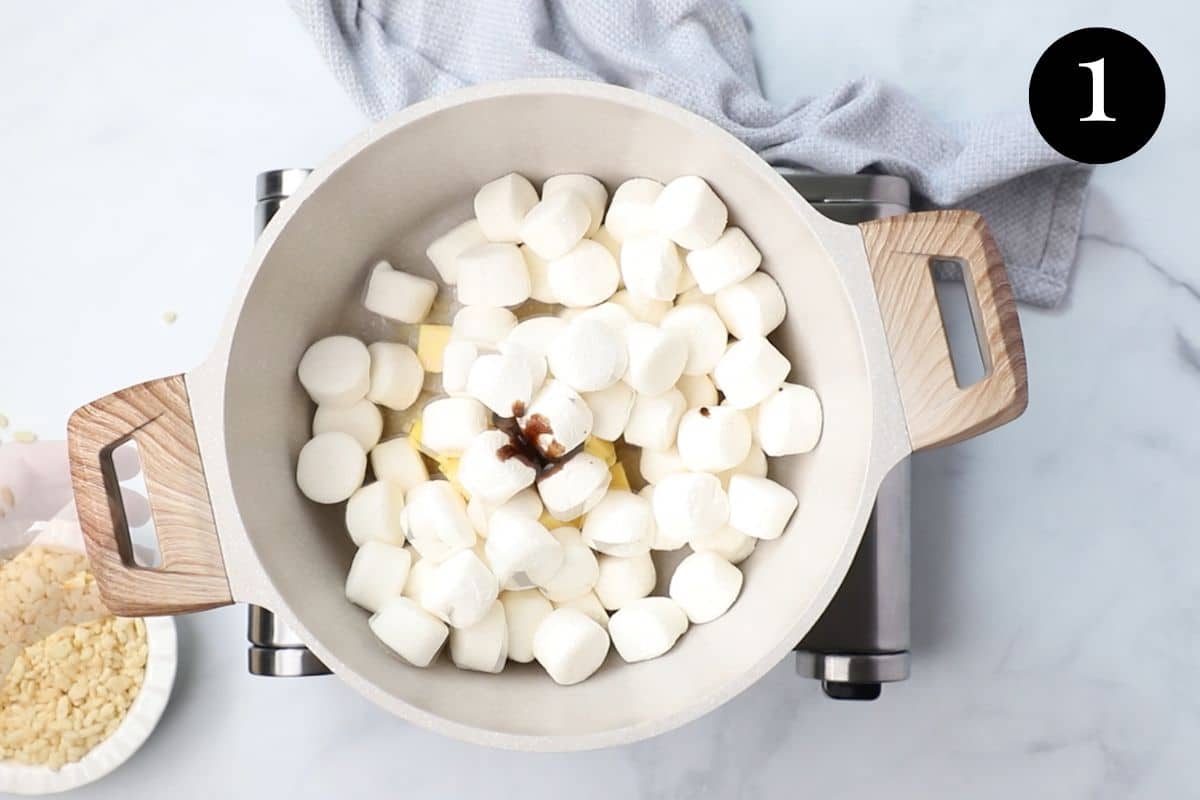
{"x": 697, "y": 54}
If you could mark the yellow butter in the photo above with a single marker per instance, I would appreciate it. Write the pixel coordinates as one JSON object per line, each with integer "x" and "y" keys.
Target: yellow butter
{"x": 605, "y": 451}
{"x": 431, "y": 343}
{"x": 619, "y": 479}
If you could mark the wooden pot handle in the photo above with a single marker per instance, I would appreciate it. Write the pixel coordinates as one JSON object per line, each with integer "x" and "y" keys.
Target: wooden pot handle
{"x": 900, "y": 250}
{"x": 156, "y": 415}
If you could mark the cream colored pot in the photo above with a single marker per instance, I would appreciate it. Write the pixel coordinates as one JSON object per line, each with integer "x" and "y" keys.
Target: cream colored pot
{"x": 219, "y": 443}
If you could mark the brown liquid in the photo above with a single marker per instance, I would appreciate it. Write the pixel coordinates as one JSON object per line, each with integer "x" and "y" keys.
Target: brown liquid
{"x": 522, "y": 442}
{"x": 704, "y": 412}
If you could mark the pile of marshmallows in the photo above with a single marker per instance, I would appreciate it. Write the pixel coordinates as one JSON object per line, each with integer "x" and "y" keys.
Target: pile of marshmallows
{"x": 523, "y": 437}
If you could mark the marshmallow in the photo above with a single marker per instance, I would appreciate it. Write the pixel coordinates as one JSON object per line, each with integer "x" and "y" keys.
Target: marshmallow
{"x": 523, "y": 614}
{"x": 482, "y": 647}
{"x": 697, "y": 390}
{"x": 556, "y": 224}
{"x": 705, "y": 333}
{"x": 525, "y": 502}
{"x": 373, "y": 514}
{"x": 377, "y": 574}
{"x": 759, "y": 507}
{"x": 579, "y": 571}
{"x": 658, "y": 464}
{"x": 610, "y": 243}
{"x": 631, "y": 211}
{"x": 650, "y": 266}
{"x": 755, "y": 464}
{"x": 436, "y": 521}
{"x": 396, "y": 375}
{"x": 610, "y": 410}
{"x": 586, "y": 275}
{"x": 330, "y": 467}
{"x": 654, "y": 419}
{"x": 397, "y": 461}
{"x": 713, "y": 438}
{"x": 558, "y": 420}
{"x": 727, "y": 261}
{"x": 690, "y": 504}
{"x": 750, "y": 370}
{"x": 336, "y": 371}
{"x": 536, "y": 333}
{"x": 570, "y": 646}
{"x": 589, "y": 604}
{"x": 539, "y": 276}
{"x": 753, "y": 307}
{"x": 623, "y": 580}
{"x": 501, "y": 206}
{"x": 457, "y": 359}
{"x": 689, "y": 211}
{"x": 588, "y": 356}
{"x": 705, "y": 586}
{"x": 417, "y": 574}
{"x": 574, "y": 487}
{"x": 449, "y": 424}
{"x": 621, "y": 524}
{"x": 656, "y": 357}
{"x": 615, "y": 316}
{"x": 493, "y": 275}
{"x": 488, "y": 469}
{"x": 411, "y": 631}
{"x": 444, "y": 251}
{"x": 398, "y": 295}
{"x": 692, "y": 294}
{"x": 501, "y": 381}
{"x": 731, "y": 545}
{"x": 523, "y": 554}
{"x": 647, "y": 628}
{"x": 789, "y": 421}
{"x": 483, "y": 326}
{"x": 460, "y": 591}
{"x": 642, "y": 308}
{"x": 361, "y": 420}
{"x": 669, "y": 537}
{"x": 590, "y": 190}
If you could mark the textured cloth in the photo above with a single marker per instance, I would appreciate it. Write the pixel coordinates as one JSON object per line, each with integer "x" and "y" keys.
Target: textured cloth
{"x": 697, "y": 54}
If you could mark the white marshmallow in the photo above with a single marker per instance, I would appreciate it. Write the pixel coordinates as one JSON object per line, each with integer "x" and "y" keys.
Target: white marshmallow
{"x": 536, "y": 333}
{"x": 789, "y": 421}
{"x": 579, "y": 571}
{"x": 609, "y": 241}
{"x": 502, "y": 382}
{"x": 690, "y": 504}
{"x": 361, "y": 420}
{"x": 534, "y": 355}
{"x": 378, "y": 573}
{"x": 647, "y": 628}
{"x": 753, "y": 307}
{"x": 575, "y": 487}
{"x": 656, "y": 357}
{"x": 436, "y": 521}
{"x": 731, "y": 545}
{"x": 689, "y": 211}
{"x": 556, "y": 224}
{"x": 755, "y": 464}
{"x": 650, "y": 266}
{"x": 484, "y": 473}
{"x": 621, "y": 524}
{"x": 697, "y": 390}
{"x": 713, "y": 438}
{"x": 444, "y": 251}
{"x": 330, "y": 467}
{"x": 631, "y": 211}
{"x": 727, "y": 261}
{"x": 460, "y": 591}
{"x": 397, "y": 295}
{"x": 521, "y": 551}
{"x": 523, "y": 614}
{"x": 457, "y": 359}
{"x": 570, "y": 646}
{"x": 589, "y": 604}
{"x": 396, "y": 375}
{"x": 692, "y": 294}
{"x": 525, "y": 502}
{"x": 336, "y": 371}
{"x": 397, "y": 461}
{"x": 411, "y": 631}
{"x": 450, "y": 423}
{"x": 610, "y": 410}
{"x": 642, "y": 308}
{"x": 483, "y": 326}
{"x": 417, "y": 574}
{"x": 655, "y": 419}
{"x": 482, "y": 647}
{"x": 615, "y": 316}
{"x": 590, "y": 190}
{"x": 759, "y": 507}
{"x": 585, "y": 275}
{"x": 539, "y": 276}
{"x": 564, "y": 415}
{"x": 373, "y": 514}
{"x": 588, "y": 356}
{"x": 705, "y": 333}
{"x": 705, "y": 586}
{"x": 658, "y": 464}
{"x": 624, "y": 580}
{"x": 669, "y": 537}
{"x": 501, "y": 206}
{"x": 493, "y": 275}
{"x": 750, "y": 370}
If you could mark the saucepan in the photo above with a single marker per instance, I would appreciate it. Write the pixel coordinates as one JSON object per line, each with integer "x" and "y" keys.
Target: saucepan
{"x": 219, "y": 443}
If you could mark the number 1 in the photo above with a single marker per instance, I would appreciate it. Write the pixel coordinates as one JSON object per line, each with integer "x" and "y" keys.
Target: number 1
{"x": 1097, "y": 69}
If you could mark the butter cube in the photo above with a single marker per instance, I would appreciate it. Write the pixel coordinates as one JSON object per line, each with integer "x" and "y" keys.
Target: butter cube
{"x": 619, "y": 479}
{"x": 605, "y": 451}
{"x": 431, "y": 342}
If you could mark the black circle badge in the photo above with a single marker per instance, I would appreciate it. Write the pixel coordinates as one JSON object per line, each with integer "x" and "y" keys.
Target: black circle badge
{"x": 1097, "y": 95}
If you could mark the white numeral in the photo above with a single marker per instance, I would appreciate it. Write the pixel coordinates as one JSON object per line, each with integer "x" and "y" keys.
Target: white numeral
{"x": 1097, "y": 69}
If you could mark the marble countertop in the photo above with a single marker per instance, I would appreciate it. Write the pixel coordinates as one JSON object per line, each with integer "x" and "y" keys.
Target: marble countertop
{"x": 1056, "y": 609}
